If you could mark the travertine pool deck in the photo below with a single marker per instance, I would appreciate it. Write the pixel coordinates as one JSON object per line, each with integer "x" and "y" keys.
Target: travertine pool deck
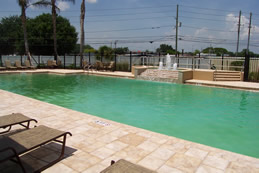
{"x": 70, "y": 71}
{"x": 96, "y": 141}
{"x": 226, "y": 84}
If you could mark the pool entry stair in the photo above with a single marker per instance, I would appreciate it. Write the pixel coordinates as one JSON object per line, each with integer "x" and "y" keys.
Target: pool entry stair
{"x": 182, "y": 75}
{"x": 227, "y": 76}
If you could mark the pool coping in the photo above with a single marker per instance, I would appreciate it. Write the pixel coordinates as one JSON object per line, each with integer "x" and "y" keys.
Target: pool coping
{"x": 240, "y": 85}
{"x": 72, "y": 72}
{"x": 97, "y": 141}
{"x": 226, "y": 84}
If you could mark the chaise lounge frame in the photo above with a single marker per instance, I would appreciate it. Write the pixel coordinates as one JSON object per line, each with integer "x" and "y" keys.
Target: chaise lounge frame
{"x": 20, "y": 143}
{"x": 8, "y": 121}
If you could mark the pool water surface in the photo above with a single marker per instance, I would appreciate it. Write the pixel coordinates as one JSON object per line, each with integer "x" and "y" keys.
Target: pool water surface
{"x": 222, "y": 118}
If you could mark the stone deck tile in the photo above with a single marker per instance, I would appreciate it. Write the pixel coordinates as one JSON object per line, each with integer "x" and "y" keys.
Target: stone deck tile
{"x": 96, "y": 141}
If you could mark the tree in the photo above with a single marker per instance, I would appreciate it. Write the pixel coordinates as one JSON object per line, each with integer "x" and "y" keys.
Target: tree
{"x": 82, "y": 38}
{"x": 218, "y": 51}
{"x": 196, "y": 52}
{"x": 105, "y": 52}
{"x": 164, "y": 48}
{"x": 243, "y": 53}
{"x": 54, "y": 22}
{"x": 121, "y": 50}
{"x": 40, "y": 35}
{"x": 24, "y": 4}
{"x": 11, "y": 33}
{"x": 87, "y": 48}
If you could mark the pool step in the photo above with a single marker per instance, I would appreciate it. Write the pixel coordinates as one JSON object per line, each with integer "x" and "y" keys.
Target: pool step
{"x": 227, "y": 76}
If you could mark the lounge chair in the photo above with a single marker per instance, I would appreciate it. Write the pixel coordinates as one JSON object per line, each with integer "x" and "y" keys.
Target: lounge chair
{"x": 10, "y": 120}
{"x": 126, "y": 167}
{"x": 59, "y": 63}
{"x": 12, "y": 147}
{"x": 99, "y": 65}
{"x": 85, "y": 65}
{"x": 18, "y": 64}
{"x": 2, "y": 68}
{"x": 8, "y": 65}
{"x": 51, "y": 63}
{"x": 28, "y": 64}
{"x": 111, "y": 66}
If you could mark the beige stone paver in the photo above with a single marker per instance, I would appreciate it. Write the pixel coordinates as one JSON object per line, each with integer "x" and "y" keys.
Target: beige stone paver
{"x": 132, "y": 139}
{"x": 198, "y": 153}
{"x": 167, "y": 169}
{"x": 208, "y": 169}
{"x": 151, "y": 162}
{"x": 184, "y": 162}
{"x": 93, "y": 145}
{"x": 60, "y": 167}
{"x": 216, "y": 162}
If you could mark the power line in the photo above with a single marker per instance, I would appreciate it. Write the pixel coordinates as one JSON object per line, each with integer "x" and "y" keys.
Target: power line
{"x": 199, "y": 18}
{"x": 209, "y": 29}
{"x": 132, "y": 29}
{"x": 203, "y": 8}
{"x": 209, "y": 14}
{"x": 104, "y": 9}
{"x": 128, "y": 19}
{"x": 123, "y": 14}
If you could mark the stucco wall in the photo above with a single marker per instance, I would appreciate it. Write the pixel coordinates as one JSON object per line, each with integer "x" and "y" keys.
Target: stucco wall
{"x": 203, "y": 75}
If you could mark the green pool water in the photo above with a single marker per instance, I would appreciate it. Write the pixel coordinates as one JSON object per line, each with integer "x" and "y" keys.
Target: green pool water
{"x": 222, "y": 118}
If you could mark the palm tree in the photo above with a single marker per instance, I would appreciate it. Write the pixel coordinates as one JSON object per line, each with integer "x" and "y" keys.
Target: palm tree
{"x": 24, "y": 4}
{"x": 54, "y": 16}
{"x": 82, "y": 20}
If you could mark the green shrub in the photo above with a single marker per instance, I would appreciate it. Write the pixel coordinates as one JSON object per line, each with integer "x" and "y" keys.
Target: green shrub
{"x": 122, "y": 66}
{"x": 71, "y": 66}
{"x": 238, "y": 64}
{"x": 253, "y": 76}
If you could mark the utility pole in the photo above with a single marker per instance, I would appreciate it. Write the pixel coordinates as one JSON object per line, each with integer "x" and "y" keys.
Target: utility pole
{"x": 176, "y": 29}
{"x": 238, "y": 32}
{"x": 247, "y": 58}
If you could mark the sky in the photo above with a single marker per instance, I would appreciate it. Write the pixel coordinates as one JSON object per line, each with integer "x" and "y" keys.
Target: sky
{"x": 145, "y": 24}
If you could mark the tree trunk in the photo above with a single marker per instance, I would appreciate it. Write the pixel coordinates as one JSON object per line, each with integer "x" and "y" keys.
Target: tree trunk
{"x": 54, "y": 15}
{"x": 82, "y": 41}
{"x": 26, "y": 44}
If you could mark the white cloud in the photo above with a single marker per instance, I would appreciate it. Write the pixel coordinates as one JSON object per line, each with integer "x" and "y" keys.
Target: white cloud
{"x": 232, "y": 25}
{"x": 63, "y": 5}
{"x": 91, "y": 1}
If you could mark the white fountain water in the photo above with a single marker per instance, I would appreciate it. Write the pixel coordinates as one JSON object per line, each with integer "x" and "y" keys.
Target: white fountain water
{"x": 160, "y": 66}
{"x": 175, "y": 66}
{"x": 168, "y": 62}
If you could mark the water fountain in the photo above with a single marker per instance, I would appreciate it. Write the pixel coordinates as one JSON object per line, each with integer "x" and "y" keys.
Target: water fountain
{"x": 175, "y": 66}
{"x": 168, "y": 62}
{"x": 160, "y": 66}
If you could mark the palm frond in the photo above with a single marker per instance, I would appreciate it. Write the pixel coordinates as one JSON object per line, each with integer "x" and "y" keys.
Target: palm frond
{"x": 41, "y": 3}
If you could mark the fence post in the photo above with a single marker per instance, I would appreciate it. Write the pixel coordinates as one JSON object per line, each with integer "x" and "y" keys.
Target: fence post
{"x": 192, "y": 63}
{"x": 39, "y": 60}
{"x": 222, "y": 62}
{"x": 115, "y": 60}
{"x": 75, "y": 62}
{"x": 21, "y": 59}
{"x": 246, "y": 67}
{"x": 1, "y": 61}
{"x": 64, "y": 61}
{"x": 130, "y": 60}
{"x": 159, "y": 57}
{"x": 89, "y": 56}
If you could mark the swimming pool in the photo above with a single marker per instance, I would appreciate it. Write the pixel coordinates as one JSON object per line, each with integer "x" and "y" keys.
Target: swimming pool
{"x": 222, "y": 118}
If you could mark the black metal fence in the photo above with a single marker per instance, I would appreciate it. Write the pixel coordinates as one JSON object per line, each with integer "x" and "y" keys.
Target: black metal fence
{"x": 126, "y": 61}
